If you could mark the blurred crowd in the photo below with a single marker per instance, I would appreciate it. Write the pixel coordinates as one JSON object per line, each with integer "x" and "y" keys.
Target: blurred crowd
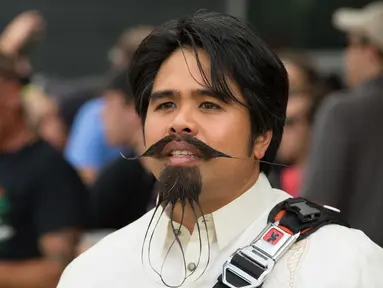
{"x": 65, "y": 181}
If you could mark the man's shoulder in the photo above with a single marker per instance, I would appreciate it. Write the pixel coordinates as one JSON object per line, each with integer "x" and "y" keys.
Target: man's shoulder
{"x": 337, "y": 101}
{"x": 346, "y": 102}
{"x": 92, "y": 106}
{"x": 352, "y": 247}
{"x": 335, "y": 256}
{"x": 347, "y": 236}
{"x": 115, "y": 256}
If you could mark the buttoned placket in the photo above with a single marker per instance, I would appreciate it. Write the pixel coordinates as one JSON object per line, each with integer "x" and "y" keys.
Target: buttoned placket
{"x": 197, "y": 253}
{"x": 191, "y": 246}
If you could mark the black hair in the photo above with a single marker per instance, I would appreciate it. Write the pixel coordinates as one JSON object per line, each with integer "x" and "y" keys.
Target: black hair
{"x": 120, "y": 82}
{"x": 235, "y": 52}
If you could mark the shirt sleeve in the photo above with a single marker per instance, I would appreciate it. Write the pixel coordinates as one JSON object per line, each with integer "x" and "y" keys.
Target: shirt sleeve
{"x": 61, "y": 199}
{"x": 84, "y": 147}
{"x": 325, "y": 178}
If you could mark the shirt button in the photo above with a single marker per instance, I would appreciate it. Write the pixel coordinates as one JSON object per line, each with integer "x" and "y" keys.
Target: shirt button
{"x": 192, "y": 266}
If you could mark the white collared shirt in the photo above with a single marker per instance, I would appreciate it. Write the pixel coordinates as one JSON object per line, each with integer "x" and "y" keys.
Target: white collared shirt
{"x": 333, "y": 256}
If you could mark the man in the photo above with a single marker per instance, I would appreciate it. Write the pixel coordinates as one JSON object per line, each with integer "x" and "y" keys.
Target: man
{"x": 346, "y": 159}
{"x": 87, "y": 148}
{"x": 200, "y": 82}
{"x": 42, "y": 200}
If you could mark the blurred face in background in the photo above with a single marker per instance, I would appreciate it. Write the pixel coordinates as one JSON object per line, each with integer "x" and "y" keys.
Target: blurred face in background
{"x": 9, "y": 106}
{"x": 297, "y": 79}
{"x": 293, "y": 148}
{"x": 121, "y": 121}
{"x": 43, "y": 116}
{"x": 360, "y": 60}
{"x": 294, "y": 143}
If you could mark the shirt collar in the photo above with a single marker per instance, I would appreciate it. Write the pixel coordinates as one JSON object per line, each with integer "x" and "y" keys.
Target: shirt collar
{"x": 235, "y": 217}
{"x": 232, "y": 219}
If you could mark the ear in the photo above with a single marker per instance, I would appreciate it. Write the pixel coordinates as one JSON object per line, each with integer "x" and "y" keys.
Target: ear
{"x": 261, "y": 144}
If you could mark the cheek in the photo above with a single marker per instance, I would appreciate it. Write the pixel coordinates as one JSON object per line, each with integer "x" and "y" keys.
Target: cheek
{"x": 352, "y": 60}
{"x": 154, "y": 129}
{"x": 229, "y": 133}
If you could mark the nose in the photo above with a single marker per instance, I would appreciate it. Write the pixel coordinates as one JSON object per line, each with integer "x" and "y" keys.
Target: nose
{"x": 183, "y": 123}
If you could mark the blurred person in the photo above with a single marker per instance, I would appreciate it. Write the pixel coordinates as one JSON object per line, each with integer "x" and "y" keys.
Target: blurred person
{"x": 122, "y": 191}
{"x": 42, "y": 113}
{"x": 42, "y": 200}
{"x": 20, "y": 37}
{"x": 305, "y": 89}
{"x": 208, "y": 79}
{"x": 87, "y": 148}
{"x": 18, "y": 40}
{"x": 345, "y": 164}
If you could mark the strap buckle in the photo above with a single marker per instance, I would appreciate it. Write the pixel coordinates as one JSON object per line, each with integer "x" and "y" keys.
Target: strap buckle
{"x": 304, "y": 211}
{"x": 248, "y": 267}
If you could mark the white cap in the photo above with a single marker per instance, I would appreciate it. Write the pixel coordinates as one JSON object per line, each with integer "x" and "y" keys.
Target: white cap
{"x": 367, "y": 21}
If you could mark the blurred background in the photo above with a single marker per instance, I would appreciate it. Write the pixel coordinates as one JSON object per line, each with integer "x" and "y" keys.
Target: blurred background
{"x": 64, "y": 118}
{"x": 81, "y": 33}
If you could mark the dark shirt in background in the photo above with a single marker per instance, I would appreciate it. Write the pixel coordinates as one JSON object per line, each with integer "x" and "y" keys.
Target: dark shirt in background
{"x": 345, "y": 166}
{"x": 120, "y": 195}
{"x": 39, "y": 193}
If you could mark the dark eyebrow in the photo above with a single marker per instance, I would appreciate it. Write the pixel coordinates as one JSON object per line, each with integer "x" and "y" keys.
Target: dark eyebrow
{"x": 158, "y": 95}
{"x": 203, "y": 92}
{"x": 209, "y": 93}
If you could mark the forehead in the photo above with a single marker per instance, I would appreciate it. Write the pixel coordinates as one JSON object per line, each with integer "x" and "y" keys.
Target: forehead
{"x": 180, "y": 71}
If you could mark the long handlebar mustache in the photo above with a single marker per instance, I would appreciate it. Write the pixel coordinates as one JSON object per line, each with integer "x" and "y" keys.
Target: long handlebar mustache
{"x": 205, "y": 151}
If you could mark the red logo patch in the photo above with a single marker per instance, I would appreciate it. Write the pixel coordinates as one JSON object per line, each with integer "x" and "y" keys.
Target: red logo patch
{"x": 273, "y": 236}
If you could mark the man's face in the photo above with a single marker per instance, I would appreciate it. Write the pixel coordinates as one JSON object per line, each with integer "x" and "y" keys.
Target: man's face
{"x": 120, "y": 119}
{"x": 9, "y": 105}
{"x": 356, "y": 58}
{"x": 181, "y": 104}
{"x": 296, "y": 132}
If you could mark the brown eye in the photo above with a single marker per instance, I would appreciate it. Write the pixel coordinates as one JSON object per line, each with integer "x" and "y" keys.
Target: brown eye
{"x": 209, "y": 106}
{"x": 165, "y": 106}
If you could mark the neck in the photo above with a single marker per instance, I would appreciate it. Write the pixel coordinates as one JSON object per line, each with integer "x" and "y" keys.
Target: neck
{"x": 19, "y": 137}
{"x": 230, "y": 192}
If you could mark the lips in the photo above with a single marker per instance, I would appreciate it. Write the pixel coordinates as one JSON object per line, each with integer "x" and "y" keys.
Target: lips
{"x": 180, "y": 149}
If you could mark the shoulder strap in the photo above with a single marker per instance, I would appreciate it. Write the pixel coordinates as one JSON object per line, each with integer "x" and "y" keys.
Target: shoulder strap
{"x": 300, "y": 215}
{"x": 289, "y": 221}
